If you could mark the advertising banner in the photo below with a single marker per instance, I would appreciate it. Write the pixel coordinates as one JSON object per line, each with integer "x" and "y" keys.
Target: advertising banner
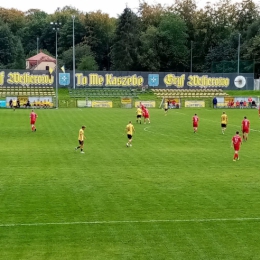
{"x": 101, "y": 103}
{"x": 126, "y": 100}
{"x": 145, "y": 103}
{"x": 84, "y": 103}
{"x": 2, "y": 103}
{"x": 25, "y": 78}
{"x": 130, "y": 79}
{"x": 194, "y": 103}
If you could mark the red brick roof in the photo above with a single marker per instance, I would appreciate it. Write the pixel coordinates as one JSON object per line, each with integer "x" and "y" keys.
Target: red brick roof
{"x": 38, "y": 58}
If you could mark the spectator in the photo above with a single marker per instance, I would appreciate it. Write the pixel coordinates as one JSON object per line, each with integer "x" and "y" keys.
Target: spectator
{"x": 241, "y": 104}
{"x": 18, "y": 103}
{"x": 250, "y": 102}
{"x": 229, "y": 104}
{"x": 11, "y": 103}
{"x": 244, "y": 104}
{"x": 14, "y": 104}
{"x": 215, "y": 102}
{"x": 28, "y": 104}
{"x": 237, "y": 104}
{"x": 253, "y": 104}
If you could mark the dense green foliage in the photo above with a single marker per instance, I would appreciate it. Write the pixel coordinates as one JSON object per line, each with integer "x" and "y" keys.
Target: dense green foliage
{"x": 172, "y": 195}
{"x": 156, "y": 38}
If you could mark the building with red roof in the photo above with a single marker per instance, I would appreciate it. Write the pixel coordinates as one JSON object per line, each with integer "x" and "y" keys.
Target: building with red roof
{"x": 41, "y": 61}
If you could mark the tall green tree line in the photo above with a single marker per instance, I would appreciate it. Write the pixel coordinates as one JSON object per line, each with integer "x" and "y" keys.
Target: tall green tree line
{"x": 155, "y": 38}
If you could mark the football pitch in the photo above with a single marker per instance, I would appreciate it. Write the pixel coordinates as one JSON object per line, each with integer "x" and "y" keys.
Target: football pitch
{"x": 172, "y": 195}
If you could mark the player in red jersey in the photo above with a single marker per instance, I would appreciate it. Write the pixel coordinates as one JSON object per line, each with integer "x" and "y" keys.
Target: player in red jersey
{"x": 245, "y": 128}
{"x": 142, "y": 106}
{"x": 195, "y": 120}
{"x": 236, "y": 142}
{"x": 33, "y": 117}
{"x": 259, "y": 111}
{"x": 146, "y": 115}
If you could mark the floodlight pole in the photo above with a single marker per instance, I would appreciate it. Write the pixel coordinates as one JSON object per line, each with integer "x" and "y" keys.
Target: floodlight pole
{"x": 238, "y": 53}
{"x": 74, "y": 83}
{"x": 191, "y": 45}
{"x": 56, "y": 29}
{"x": 37, "y": 45}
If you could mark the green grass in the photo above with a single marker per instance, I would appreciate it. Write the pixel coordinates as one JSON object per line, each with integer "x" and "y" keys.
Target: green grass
{"x": 173, "y": 195}
{"x": 243, "y": 93}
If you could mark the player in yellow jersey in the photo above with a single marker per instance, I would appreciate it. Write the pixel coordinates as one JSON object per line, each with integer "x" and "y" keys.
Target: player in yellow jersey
{"x": 224, "y": 120}
{"x": 166, "y": 107}
{"x": 14, "y": 104}
{"x": 81, "y": 139}
{"x": 129, "y": 131}
{"x": 138, "y": 115}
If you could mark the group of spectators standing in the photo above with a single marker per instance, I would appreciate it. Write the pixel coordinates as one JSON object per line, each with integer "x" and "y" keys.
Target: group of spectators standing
{"x": 238, "y": 104}
{"x": 16, "y": 104}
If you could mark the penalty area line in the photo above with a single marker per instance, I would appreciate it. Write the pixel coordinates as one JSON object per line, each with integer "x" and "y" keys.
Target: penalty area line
{"x": 132, "y": 221}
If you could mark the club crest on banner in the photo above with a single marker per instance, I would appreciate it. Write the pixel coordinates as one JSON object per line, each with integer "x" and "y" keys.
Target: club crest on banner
{"x": 153, "y": 80}
{"x": 64, "y": 79}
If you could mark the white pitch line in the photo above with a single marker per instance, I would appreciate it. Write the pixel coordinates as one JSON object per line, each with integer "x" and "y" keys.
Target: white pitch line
{"x": 131, "y": 221}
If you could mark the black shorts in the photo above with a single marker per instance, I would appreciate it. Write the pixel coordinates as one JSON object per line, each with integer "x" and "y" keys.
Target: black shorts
{"x": 223, "y": 125}
{"x": 138, "y": 116}
{"x": 81, "y": 142}
{"x": 129, "y": 137}
{"x": 166, "y": 109}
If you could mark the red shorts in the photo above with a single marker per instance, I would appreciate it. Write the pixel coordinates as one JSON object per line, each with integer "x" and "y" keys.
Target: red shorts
{"x": 236, "y": 147}
{"x": 246, "y": 130}
{"x": 33, "y": 122}
{"x": 146, "y": 116}
{"x": 195, "y": 124}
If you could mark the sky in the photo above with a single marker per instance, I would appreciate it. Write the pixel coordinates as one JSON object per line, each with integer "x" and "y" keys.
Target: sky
{"x": 112, "y": 7}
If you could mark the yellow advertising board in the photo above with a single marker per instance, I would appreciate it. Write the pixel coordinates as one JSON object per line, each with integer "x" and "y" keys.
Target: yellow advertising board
{"x": 145, "y": 103}
{"x": 194, "y": 103}
{"x": 101, "y": 103}
{"x": 126, "y": 100}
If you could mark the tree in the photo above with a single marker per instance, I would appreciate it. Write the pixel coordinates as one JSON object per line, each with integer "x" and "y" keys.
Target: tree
{"x": 66, "y": 33}
{"x": 19, "y": 61}
{"x": 151, "y": 14}
{"x": 36, "y": 24}
{"x": 148, "y": 56}
{"x": 64, "y": 14}
{"x": 100, "y": 29}
{"x": 172, "y": 47}
{"x": 223, "y": 57}
{"x": 187, "y": 11}
{"x": 7, "y": 43}
{"x": 87, "y": 63}
{"x": 81, "y": 50}
{"x": 126, "y": 41}
{"x": 211, "y": 28}
{"x": 14, "y": 18}
{"x": 246, "y": 13}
